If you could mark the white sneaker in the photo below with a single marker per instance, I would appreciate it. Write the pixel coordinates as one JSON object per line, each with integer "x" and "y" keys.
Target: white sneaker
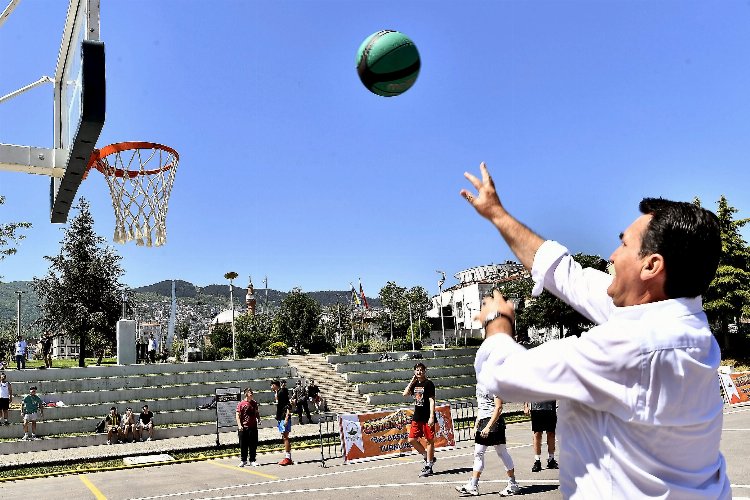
{"x": 468, "y": 489}
{"x": 34, "y": 437}
{"x": 254, "y": 464}
{"x": 109, "y": 442}
{"x": 510, "y": 490}
{"x": 149, "y": 439}
{"x": 242, "y": 464}
{"x": 25, "y": 437}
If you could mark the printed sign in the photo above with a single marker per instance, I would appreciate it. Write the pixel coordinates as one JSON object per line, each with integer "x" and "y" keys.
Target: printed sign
{"x": 365, "y": 436}
{"x": 736, "y": 387}
{"x": 227, "y": 400}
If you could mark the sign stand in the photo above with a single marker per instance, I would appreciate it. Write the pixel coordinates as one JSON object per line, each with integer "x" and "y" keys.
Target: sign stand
{"x": 227, "y": 399}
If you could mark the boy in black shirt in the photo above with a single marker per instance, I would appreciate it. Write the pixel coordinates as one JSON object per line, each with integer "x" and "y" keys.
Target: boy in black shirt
{"x": 423, "y": 422}
{"x": 283, "y": 417}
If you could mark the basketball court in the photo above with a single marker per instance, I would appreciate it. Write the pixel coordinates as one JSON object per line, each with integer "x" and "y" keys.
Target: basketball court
{"x": 388, "y": 478}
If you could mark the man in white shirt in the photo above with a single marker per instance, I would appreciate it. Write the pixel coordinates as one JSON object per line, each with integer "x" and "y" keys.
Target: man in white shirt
{"x": 21, "y": 353}
{"x": 640, "y": 413}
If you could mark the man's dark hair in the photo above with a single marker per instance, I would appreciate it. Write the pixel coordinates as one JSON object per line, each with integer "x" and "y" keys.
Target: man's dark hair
{"x": 420, "y": 364}
{"x": 276, "y": 383}
{"x": 689, "y": 239}
{"x": 113, "y": 408}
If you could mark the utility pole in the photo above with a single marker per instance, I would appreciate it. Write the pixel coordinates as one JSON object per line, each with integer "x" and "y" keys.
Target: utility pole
{"x": 18, "y": 314}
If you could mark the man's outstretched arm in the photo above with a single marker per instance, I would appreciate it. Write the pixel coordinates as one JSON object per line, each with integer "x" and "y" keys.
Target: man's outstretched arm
{"x": 522, "y": 241}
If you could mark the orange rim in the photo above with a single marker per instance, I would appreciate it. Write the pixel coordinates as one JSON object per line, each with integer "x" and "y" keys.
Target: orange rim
{"x": 98, "y": 155}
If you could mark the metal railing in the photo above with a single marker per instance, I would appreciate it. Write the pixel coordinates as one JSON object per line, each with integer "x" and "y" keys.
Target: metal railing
{"x": 330, "y": 441}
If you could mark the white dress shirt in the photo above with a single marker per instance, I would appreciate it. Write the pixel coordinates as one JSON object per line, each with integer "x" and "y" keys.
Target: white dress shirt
{"x": 640, "y": 413}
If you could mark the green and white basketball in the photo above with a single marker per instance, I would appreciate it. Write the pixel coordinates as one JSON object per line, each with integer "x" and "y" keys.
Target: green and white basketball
{"x": 388, "y": 63}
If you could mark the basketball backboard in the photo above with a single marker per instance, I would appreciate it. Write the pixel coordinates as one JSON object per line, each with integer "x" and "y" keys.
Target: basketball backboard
{"x": 79, "y": 102}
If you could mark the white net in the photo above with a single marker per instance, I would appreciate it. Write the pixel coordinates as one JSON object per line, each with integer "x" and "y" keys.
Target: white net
{"x": 140, "y": 178}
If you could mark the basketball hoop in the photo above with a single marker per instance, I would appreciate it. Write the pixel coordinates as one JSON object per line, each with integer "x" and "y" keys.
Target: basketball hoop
{"x": 140, "y": 177}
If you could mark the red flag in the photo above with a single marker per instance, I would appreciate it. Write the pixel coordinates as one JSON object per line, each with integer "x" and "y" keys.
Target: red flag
{"x": 362, "y": 293}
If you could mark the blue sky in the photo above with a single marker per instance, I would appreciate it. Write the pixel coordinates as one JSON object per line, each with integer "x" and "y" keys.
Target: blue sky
{"x": 290, "y": 168}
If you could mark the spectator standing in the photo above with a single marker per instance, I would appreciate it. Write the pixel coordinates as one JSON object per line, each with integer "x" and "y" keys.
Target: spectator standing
{"x": 47, "y": 349}
{"x": 299, "y": 396}
{"x": 32, "y": 409}
{"x": 129, "y": 426}
{"x": 543, "y": 419}
{"x": 152, "y": 348}
{"x": 423, "y": 422}
{"x": 112, "y": 425}
{"x": 283, "y": 417}
{"x": 489, "y": 430}
{"x": 248, "y": 419}
{"x": 21, "y": 348}
{"x": 6, "y": 396}
{"x": 146, "y": 423}
{"x": 313, "y": 394}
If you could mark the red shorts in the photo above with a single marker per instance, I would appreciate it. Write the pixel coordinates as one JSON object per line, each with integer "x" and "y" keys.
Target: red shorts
{"x": 421, "y": 429}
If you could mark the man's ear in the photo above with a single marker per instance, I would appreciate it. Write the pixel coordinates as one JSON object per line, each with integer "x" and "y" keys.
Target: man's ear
{"x": 653, "y": 267}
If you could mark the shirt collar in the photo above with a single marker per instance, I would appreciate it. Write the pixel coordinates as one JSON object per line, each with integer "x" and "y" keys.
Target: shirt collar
{"x": 683, "y": 306}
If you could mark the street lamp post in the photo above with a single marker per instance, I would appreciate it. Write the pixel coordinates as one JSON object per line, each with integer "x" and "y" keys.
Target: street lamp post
{"x": 231, "y": 276}
{"x": 440, "y": 286}
{"x": 18, "y": 314}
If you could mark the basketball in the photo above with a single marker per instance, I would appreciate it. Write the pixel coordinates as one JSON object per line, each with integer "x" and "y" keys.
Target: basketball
{"x": 388, "y": 63}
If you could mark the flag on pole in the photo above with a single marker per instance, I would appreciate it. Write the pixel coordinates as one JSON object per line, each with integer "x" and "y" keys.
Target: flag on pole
{"x": 362, "y": 293}
{"x": 355, "y": 297}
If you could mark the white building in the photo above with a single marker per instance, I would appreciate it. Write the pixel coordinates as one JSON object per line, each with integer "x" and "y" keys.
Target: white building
{"x": 462, "y": 301}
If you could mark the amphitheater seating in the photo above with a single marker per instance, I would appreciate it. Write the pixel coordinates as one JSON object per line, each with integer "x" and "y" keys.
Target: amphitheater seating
{"x": 172, "y": 391}
{"x": 382, "y": 382}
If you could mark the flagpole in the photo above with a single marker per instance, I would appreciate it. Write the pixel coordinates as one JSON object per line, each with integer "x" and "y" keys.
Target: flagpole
{"x": 411, "y": 327}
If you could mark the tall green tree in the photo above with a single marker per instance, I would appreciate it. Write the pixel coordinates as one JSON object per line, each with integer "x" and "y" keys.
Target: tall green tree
{"x": 221, "y": 336}
{"x": 297, "y": 318}
{"x": 10, "y": 235}
{"x": 728, "y": 295}
{"x": 396, "y": 301}
{"x": 251, "y": 331}
{"x": 81, "y": 293}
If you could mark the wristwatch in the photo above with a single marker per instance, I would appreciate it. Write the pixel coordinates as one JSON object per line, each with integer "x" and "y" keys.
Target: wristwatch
{"x": 493, "y": 316}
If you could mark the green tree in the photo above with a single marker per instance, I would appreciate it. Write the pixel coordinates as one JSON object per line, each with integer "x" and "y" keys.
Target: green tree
{"x": 728, "y": 295}
{"x": 297, "y": 318}
{"x": 81, "y": 294}
{"x": 251, "y": 331}
{"x": 221, "y": 336}
{"x": 10, "y": 235}
{"x": 396, "y": 301}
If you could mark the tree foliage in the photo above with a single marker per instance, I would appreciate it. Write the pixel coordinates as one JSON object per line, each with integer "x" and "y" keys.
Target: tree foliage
{"x": 81, "y": 293}
{"x": 396, "y": 301}
{"x": 10, "y": 235}
{"x": 252, "y": 334}
{"x": 221, "y": 336}
{"x": 728, "y": 295}
{"x": 297, "y": 319}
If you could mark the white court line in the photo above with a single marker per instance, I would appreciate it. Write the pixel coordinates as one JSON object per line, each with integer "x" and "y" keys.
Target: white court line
{"x": 369, "y": 486}
{"x": 311, "y": 476}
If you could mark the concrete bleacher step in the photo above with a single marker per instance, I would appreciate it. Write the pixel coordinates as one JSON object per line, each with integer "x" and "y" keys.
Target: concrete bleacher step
{"x": 172, "y": 391}
{"x": 340, "y": 395}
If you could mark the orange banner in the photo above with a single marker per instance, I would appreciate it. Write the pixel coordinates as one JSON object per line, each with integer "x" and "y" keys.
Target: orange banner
{"x": 736, "y": 387}
{"x": 365, "y": 436}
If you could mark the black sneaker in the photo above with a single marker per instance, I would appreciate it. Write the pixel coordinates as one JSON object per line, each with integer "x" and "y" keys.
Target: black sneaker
{"x": 426, "y": 471}
{"x": 537, "y": 466}
{"x": 552, "y": 464}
